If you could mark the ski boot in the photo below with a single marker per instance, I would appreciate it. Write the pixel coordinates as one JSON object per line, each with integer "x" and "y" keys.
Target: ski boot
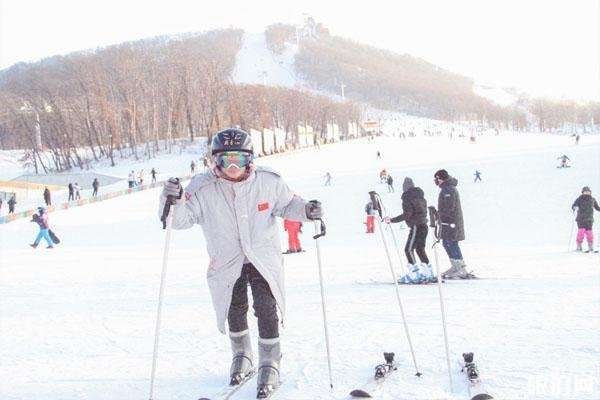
{"x": 590, "y": 247}
{"x": 269, "y": 356}
{"x": 241, "y": 365}
{"x": 453, "y": 268}
{"x": 428, "y": 273}
{"x": 579, "y": 248}
{"x": 457, "y": 271}
{"x": 33, "y": 245}
{"x": 413, "y": 275}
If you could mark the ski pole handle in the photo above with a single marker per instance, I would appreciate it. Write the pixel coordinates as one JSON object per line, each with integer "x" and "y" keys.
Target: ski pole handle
{"x": 167, "y": 209}
{"x": 322, "y": 229}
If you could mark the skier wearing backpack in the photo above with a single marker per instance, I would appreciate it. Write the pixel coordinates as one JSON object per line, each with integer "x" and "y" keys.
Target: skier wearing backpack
{"x": 585, "y": 205}
{"x": 236, "y": 204}
{"x": 414, "y": 212}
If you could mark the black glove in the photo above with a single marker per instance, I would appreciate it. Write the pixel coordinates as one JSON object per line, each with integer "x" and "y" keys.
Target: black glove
{"x": 173, "y": 188}
{"x": 314, "y": 210}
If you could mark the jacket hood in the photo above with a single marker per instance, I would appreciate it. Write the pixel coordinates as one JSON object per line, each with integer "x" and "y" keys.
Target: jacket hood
{"x": 451, "y": 181}
{"x": 407, "y": 184}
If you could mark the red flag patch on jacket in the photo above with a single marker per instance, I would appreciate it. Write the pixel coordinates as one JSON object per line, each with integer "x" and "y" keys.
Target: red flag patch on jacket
{"x": 263, "y": 206}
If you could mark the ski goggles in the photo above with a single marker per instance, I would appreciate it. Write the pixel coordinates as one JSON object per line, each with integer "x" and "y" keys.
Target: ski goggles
{"x": 238, "y": 159}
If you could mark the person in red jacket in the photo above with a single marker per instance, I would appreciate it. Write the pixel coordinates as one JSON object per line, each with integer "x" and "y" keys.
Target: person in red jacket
{"x": 293, "y": 228}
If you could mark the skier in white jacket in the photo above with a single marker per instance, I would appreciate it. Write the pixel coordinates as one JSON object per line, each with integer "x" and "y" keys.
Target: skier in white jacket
{"x": 236, "y": 203}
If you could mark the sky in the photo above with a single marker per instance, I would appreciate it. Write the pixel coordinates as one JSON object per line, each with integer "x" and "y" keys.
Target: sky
{"x": 545, "y": 48}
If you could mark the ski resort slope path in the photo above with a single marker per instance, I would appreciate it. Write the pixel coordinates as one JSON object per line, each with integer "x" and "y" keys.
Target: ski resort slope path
{"x": 77, "y": 322}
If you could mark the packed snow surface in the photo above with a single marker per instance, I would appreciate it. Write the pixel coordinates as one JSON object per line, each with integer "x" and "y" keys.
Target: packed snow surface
{"x": 77, "y": 322}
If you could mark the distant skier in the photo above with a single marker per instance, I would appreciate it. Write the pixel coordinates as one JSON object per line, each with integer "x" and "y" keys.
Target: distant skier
{"x": 414, "y": 212}
{"x": 390, "y": 183}
{"x": 378, "y": 155}
{"x": 585, "y": 205}
{"x": 95, "y": 186}
{"x": 42, "y": 220}
{"x": 477, "y": 176}
{"x": 193, "y": 167}
{"x": 153, "y": 173}
{"x": 327, "y": 179}
{"x": 77, "y": 190}
{"x": 11, "y": 204}
{"x": 237, "y": 203}
{"x": 131, "y": 179}
{"x": 563, "y": 161}
{"x": 383, "y": 176}
{"x": 141, "y": 175}
{"x": 451, "y": 220}
{"x": 293, "y": 229}
{"x": 71, "y": 192}
{"x": 577, "y": 139}
{"x": 371, "y": 212}
{"x": 47, "y": 197}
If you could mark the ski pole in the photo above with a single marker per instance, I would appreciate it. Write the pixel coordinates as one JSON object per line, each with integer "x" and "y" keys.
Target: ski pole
{"x": 377, "y": 205}
{"x": 433, "y": 222}
{"x": 319, "y": 232}
{"x": 572, "y": 228}
{"x": 167, "y": 223}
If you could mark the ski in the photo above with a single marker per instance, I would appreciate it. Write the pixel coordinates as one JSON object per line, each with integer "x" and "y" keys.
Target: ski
{"x": 228, "y": 391}
{"x": 382, "y": 371}
{"x": 267, "y": 392}
{"x": 477, "y": 390}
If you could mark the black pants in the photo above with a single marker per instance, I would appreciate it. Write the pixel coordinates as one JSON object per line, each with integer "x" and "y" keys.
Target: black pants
{"x": 265, "y": 306}
{"x": 416, "y": 241}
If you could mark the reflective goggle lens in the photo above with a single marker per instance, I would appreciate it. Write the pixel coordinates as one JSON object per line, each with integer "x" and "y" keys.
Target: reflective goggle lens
{"x": 237, "y": 159}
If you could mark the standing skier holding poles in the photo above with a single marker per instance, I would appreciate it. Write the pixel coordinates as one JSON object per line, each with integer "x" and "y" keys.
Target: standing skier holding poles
{"x": 451, "y": 224}
{"x": 414, "y": 212}
{"x": 236, "y": 204}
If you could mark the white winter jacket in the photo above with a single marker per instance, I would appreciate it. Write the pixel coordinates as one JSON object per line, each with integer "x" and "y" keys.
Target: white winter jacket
{"x": 238, "y": 220}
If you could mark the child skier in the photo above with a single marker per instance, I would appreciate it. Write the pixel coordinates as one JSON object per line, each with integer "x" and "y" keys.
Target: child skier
{"x": 585, "y": 205}
{"x": 293, "y": 228}
{"x": 371, "y": 212}
{"x": 414, "y": 212}
{"x": 236, "y": 204}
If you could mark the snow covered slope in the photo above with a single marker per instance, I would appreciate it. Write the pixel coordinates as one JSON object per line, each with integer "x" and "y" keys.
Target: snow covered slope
{"x": 77, "y": 322}
{"x": 256, "y": 64}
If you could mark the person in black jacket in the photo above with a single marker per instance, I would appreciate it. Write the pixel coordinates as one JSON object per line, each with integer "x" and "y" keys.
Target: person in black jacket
{"x": 95, "y": 186}
{"x": 71, "y": 192}
{"x": 47, "y": 198}
{"x": 585, "y": 205}
{"x": 11, "y": 204}
{"x": 414, "y": 212}
{"x": 452, "y": 228}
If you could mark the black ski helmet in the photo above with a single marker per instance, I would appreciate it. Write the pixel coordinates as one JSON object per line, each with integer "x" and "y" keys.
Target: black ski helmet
{"x": 232, "y": 139}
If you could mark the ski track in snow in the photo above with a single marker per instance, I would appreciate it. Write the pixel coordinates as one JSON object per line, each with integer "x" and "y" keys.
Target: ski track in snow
{"x": 77, "y": 322}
